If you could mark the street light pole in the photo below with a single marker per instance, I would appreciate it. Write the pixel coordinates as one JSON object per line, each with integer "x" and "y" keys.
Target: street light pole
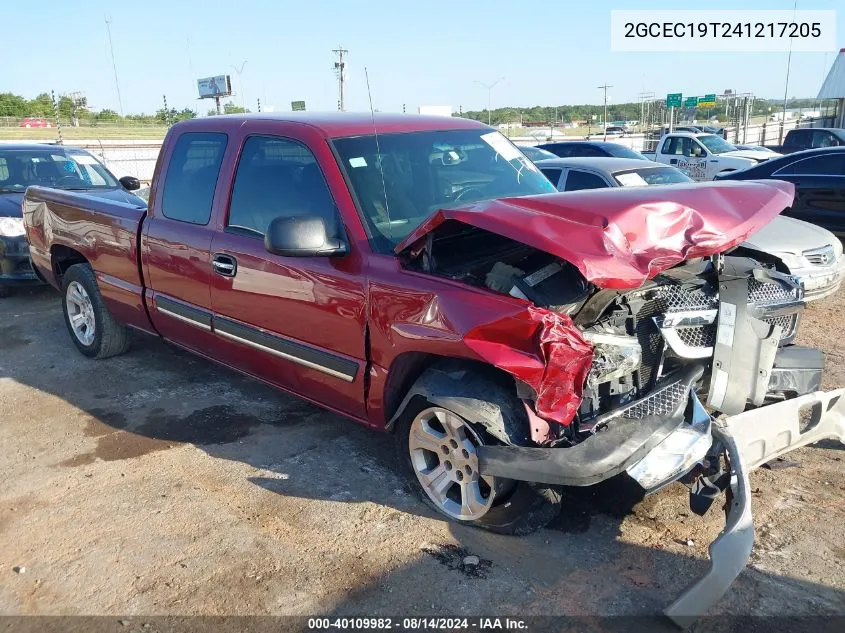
{"x": 114, "y": 65}
{"x": 240, "y": 81}
{"x": 605, "y": 87}
{"x": 489, "y": 95}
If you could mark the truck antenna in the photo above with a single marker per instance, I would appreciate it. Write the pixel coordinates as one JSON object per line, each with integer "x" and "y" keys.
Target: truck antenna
{"x": 378, "y": 155}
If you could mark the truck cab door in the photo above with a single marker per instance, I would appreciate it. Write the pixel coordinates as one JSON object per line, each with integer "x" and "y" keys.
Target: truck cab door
{"x": 296, "y": 322}
{"x": 682, "y": 156}
{"x": 176, "y": 242}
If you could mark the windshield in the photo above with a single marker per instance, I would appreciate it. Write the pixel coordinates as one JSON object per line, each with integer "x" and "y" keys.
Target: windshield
{"x": 651, "y": 176}
{"x": 52, "y": 167}
{"x": 421, "y": 172}
{"x": 716, "y": 144}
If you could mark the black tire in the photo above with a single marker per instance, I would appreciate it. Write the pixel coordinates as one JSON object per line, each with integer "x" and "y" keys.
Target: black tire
{"x": 110, "y": 337}
{"x": 519, "y": 508}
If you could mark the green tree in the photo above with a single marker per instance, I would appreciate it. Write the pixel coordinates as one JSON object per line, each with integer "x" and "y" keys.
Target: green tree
{"x": 13, "y": 105}
{"x": 231, "y": 108}
{"x": 42, "y": 105}
{"x": 107, "y": 115}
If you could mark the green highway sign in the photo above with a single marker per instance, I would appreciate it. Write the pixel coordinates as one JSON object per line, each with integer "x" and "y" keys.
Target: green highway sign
{"x": 297, "y": 106}
{"x": 691, "y": 102}
{"x": 673, "y": 100}
{"x": 707, "y": 101}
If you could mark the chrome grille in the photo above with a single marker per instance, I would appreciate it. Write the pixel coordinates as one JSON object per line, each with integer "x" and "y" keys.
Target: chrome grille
{"x": 651, "y": 342}
{"x": 698, "y": 336}
{"x": 761, "y": 293}
{"x": 820, "y": 256}
{"x": 786, "y": 321}
{"x": 676, "y": 298}
{"x": 661, "y": 402}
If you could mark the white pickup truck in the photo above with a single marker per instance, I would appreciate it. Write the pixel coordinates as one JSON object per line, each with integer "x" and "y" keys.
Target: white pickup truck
{"x": 702, "y": 156}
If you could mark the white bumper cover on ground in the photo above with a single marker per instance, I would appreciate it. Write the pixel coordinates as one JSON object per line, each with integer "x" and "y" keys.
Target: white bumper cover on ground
{"x": 751, "y": 439}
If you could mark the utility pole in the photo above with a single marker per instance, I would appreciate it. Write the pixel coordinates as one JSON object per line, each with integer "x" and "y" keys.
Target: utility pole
{"x": 114, "y": 66}
{"x": 339, "y": 67}
{"x": 489, "y": 95}
{"x": 166, "y": 111}
{"x": 605, "y": 87}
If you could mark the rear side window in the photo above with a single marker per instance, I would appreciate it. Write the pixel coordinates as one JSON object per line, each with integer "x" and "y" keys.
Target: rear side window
{"x": 192, "y": 177}
{"x": 278, "y": 177}
{"x": 552, "y": 174}
{"x": 578, "y": 180}
{"x": 4, "y": 169}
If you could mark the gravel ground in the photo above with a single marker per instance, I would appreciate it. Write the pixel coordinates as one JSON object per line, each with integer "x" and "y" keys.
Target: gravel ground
{"x": 157, "y": 483}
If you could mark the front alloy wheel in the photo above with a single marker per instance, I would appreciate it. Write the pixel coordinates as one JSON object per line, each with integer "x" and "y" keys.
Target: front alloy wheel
{"x": 444, "y": 457}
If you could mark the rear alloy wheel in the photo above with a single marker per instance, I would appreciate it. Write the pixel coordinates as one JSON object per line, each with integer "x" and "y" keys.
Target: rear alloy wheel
{"x": 80, "y": 312}
{"x": 93, "y": 329}
{"x": 444, "y": 457}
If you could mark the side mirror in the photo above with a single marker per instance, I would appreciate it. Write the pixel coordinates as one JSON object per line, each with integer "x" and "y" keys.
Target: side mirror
{"x": 130, "y": 183}
{"x": 302, "y": 236}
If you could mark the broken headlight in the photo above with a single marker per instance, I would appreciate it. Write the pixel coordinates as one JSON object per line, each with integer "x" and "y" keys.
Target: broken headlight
{"x": 614, "y": 356}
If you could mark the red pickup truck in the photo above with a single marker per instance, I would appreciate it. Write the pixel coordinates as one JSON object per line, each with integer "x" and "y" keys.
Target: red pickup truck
{"x": 418, "y": 275}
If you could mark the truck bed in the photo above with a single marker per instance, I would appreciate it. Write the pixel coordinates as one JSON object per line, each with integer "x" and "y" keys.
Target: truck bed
{"x": 65, "y": 227}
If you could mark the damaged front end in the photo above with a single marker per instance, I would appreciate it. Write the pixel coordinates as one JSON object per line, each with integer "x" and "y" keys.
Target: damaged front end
{"x": 681, "y": 367}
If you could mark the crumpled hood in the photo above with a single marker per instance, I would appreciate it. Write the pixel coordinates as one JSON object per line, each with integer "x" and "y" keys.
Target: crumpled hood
{"x": 620, "y": 237}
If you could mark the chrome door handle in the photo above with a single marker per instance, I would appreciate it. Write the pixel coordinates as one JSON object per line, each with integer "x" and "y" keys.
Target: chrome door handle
{"x": 225, "y": 265}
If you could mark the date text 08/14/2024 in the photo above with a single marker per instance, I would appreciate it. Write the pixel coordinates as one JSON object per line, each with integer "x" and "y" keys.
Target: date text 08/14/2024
{"x": 418, "y": 624}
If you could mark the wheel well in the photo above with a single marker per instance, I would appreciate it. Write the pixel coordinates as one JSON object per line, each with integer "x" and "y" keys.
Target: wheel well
{"x": 408, "y": 367}
{"x": 62, "y": 258}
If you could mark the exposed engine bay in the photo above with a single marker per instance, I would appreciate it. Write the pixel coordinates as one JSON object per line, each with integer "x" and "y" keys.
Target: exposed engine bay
{"x": 646, "y": 338}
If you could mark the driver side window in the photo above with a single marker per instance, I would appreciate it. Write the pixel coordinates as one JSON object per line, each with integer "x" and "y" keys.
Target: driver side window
{"x": 278, "y": 178}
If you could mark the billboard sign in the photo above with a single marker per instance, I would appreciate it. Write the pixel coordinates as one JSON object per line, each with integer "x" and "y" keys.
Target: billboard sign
{"x": 297, "y": 106}
{"x": 219, "y": 86}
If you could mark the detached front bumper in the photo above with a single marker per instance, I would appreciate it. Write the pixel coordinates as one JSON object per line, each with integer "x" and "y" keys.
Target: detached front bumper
{"x": 15, "y": 265}
{"x": 751, "y": 439}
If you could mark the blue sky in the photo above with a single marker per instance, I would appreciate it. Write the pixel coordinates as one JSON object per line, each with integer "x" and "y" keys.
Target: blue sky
{"x": 428, "y": 52}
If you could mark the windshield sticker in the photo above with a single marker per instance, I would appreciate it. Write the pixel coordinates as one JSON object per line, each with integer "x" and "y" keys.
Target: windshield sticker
{"x": 632, "y": 179}
{"x": 502, "y": 146}
{"x": 358, "y": 161}
{"x": 84, "y": 159}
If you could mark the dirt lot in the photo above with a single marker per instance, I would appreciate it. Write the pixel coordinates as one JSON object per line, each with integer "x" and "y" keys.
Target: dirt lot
{"x": 158, "y": 483}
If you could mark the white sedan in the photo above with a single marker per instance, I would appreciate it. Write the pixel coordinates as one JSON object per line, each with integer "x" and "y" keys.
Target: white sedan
{"x": 810, "y": 253}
